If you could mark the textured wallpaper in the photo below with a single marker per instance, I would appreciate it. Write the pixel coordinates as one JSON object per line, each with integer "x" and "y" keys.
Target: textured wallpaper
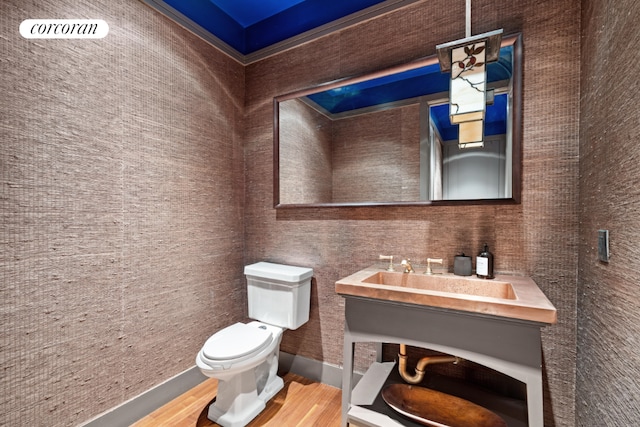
{"x": 538, "y": 237}
{"x": 607, "y": 391}
{"x": 122, "y": 208}
{"x": 136, "y": 177}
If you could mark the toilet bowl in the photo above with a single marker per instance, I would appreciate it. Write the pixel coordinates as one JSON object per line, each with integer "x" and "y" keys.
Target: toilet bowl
{"x": 244, "y": 359}
{"x": 244, "y": 356}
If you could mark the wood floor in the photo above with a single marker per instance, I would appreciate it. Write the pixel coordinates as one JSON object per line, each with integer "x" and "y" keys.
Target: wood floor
{"x": 301, "y": 403}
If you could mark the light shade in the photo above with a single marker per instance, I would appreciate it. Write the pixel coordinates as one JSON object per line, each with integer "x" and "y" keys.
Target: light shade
{"x": 493, "y": 39}
{"x": 471, "y": 134}
{"x": 467, "y": 59}
{"x": 467, "y": 98}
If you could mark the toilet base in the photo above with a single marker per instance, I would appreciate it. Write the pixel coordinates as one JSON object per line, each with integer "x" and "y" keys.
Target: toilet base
{"x": 244, "y": 396}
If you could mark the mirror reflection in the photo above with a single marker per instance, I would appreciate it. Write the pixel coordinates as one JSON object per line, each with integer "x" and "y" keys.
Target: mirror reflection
{"x": 386, "y": 138}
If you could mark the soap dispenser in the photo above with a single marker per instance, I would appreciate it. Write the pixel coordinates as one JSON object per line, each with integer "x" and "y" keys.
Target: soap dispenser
{"x": 484, "y": 264}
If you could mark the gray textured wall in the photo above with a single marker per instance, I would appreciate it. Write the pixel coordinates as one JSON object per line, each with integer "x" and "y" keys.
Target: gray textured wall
{"x": 609, "y": 294}
{"x": 305, "y": 167}
{"x": 122, "y": 208}
{"x": 538, "y": 237}
{"x": 122, "y": 200}
{"x": 376, "y": 156}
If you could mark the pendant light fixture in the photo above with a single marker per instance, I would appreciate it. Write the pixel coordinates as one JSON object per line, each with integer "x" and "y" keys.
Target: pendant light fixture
{"x": 466, "y": 60}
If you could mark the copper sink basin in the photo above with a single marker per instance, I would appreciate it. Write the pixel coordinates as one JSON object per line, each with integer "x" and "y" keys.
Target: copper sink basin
{"x": 515, "y": 297}
{"x": 445, "y": 283}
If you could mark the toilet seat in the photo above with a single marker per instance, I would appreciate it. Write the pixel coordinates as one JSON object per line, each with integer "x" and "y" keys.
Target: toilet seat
{"x": 235, "y": 343}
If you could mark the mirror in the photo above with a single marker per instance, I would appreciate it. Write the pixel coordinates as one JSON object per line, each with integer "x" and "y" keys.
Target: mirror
{"x": 386, "y": 139}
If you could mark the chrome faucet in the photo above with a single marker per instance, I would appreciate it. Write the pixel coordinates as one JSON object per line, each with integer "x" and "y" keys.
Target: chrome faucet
{"x": 408, "y": 268}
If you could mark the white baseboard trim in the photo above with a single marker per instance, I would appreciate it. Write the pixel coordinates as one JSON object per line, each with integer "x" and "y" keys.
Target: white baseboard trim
{"x": 138, "y": 407}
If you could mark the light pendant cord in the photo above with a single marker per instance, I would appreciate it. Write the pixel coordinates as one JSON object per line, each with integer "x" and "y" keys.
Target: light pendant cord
{"x": 468, "y": 19}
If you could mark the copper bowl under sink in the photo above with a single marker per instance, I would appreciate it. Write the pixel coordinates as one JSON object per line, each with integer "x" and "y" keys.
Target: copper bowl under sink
{"x": 433, "y": 408}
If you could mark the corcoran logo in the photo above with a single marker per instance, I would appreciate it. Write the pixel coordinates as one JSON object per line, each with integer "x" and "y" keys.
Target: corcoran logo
{"x": 64, "y": 28}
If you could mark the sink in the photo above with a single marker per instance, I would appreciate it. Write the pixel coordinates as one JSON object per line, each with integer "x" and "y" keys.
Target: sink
{"x": 514, "y": 297}
{"x": 445, "y": 283}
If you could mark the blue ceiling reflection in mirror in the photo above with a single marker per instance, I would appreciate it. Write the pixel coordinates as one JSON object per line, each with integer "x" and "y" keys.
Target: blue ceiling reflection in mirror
{"x": 405, "y": 87}
{"x": 495, "y": 119}
{"x": 249, "y": 30}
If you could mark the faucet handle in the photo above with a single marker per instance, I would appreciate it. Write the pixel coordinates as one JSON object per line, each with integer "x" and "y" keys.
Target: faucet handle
{"x": 432, "y": 260}
{"x": 390, "y": 258}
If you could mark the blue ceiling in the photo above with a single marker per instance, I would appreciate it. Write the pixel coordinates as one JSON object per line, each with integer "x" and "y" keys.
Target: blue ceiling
{"x": 250, "y": 30}
{"x": 245, "y": 28}
{"x": 249, "y": 12}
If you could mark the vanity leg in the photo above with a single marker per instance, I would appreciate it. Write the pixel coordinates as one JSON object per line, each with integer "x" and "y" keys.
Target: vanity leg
{"x": 535, "y": 401}
{"x": 347, "y": 377}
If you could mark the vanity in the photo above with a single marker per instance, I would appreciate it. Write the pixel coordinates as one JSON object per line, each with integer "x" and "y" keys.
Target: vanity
{"x": 496, "y": 323}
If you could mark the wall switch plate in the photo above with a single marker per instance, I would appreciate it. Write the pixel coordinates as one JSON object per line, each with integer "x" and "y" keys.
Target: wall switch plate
{"x": 603, "y": 245}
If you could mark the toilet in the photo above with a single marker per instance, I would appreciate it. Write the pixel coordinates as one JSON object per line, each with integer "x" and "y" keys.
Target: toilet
{"x": 243, "y": 357}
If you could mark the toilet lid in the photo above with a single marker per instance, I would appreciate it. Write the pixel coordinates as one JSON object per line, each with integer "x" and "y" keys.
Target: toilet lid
{"x": 236, "y": 341}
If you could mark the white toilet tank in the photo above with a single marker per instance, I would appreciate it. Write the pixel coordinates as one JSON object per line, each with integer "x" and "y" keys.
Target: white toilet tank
{"x": 279, "y": 294}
